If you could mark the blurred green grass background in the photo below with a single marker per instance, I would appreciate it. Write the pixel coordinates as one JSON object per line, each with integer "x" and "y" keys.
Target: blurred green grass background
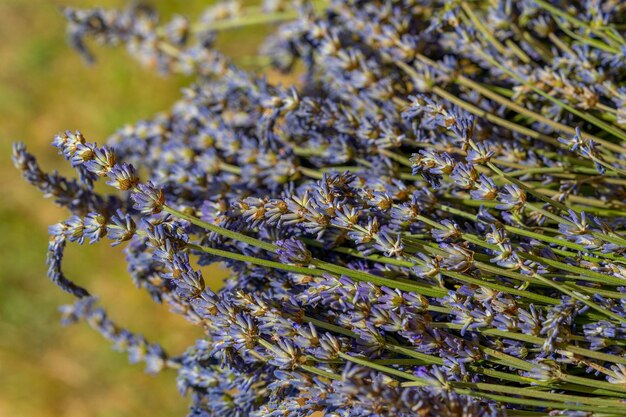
{"x": 45, "y": 369}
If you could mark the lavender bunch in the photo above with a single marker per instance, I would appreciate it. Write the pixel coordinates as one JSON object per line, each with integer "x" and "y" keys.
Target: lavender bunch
{"x": 432, "y": 223}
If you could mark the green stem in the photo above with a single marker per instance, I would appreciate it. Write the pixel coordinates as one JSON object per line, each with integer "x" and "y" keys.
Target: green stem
{"x": 322, "y": 265}
{"x": 538, "y": 403}
{"x": 529, "y": 339}
{"x": 374, "y": 279}
{"x": 493, "y": 118}
{"x": 573, "y": 20}
{"x": 251, "y": 17}
{"x": 469, "y": 83}
{"x": 484, "y": 30}
{"x": 398, "y": 158}
{"x": 478, "y": 241}
{"x": 455, "y": 386}
{"x": 220, "y": 230}
{"x": 578, "y": 383}
{"x": 525, "y": 392}
{"x": 480, "y": 112}
{"x": 586, "y": 116}
{"x": 526, "y": 188}
{"x": 540, "y": 237}
{"x": 256, "y": 261}
{"x": 314, "y": 370}
{"x": 320, "y": 372}
{"x": 582, "y": 298}
{"x": 382, "y": 368}
{"x": 515, "y": 275}
{"x": 593, "y": 354}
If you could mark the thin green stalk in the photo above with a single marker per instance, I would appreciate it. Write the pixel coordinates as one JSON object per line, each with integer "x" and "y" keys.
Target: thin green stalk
{"x": 457, "y": 276}
{"x": 256, "y": 261}
{"x": 565, "y": 290}
{"x": 374, "y": 279}
{"x": 307, "y": 152}
{"x": 572, "y": 19}
{"x": 504, "y": 50}
{"x": 491, "y": 204}
{"x": 483, "y": 30}
{"x": 505, "y": 376}
{"x": 326, "y": 266}
{"x": 560, "y": 44}
{"x": 522, "y": 413}
{"x": 464, "y": 81}
{"x": 382, "y": 368}
{"x": 493, "y": 118}
{"x": 519, "y": 52}
{"x": 251, "y": 17}
{"x": 606, "y": 237}
{"x": 583, "y": 200}
{"x": 539, "y": 403}
{"x": 311, "y": 173}
{"x": 312, "y": 369}
{"x": 535, "y": 340}
{"x": 515, "y": 275}
{"x": 543, "y": 238}
{"x": 398, "y": 158}
{"x": 586, "y": 116}
{"x": 544, "y": 51}
{"x": 590, "y": 290}
{"x": 502, "y": 288}
{"x": 526, "y": 188}
{"x": 478, "y": 241}
{"x": 602, "y": 387}
{"x": 220, "y": 230}
{"x": 474, "y": 86}
{"x": 607, "y": 279}
{"x": 434, "y": 360}
{"x": 320, "y": 372}
{"x": 584, "y": 404}
{"x": 497, "y": 287}
{"x": 580, "y": 297}
{"x": 586, "y": 382}
{"x": 587, "y": 40}
{"x": 566, "y": 159}
{"x": 322, "y": 268}
{"x": 233, "y": 169}
{"x": 455, "y": 386}
{"x": 537, "y": 170}
{"x": 471, "y": 108}
{"x": 525, "y": 338}
{"x": 525, "y": 392}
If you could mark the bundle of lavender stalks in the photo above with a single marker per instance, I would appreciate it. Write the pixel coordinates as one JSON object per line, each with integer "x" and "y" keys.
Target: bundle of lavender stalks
{"x": 432, "y": 222}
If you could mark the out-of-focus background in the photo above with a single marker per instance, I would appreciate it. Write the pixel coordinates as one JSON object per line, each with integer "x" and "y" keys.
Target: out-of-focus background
{"x": 46, "y": 369}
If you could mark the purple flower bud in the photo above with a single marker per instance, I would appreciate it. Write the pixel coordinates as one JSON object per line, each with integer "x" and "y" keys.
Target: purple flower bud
{"x": 148, "y": 199}
{"x": 123, "y": 177}
{"x": 293, "y": 251}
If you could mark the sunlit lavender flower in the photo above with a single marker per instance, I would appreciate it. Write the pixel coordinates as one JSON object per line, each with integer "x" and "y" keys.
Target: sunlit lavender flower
{"x": 122, "y": 227}
{"x": 456, "y": 258}
{"x": 148, "y": 199}
{"x": 293, "y": 251}
{"x": 486, "y": 189}
{"x": 586, "y": 147}
{"x": 123, "y": 177}
{"x": 512, "y": 198}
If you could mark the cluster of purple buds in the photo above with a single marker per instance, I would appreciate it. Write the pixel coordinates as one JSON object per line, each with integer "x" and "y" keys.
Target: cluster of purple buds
{"x": 432, "y": 223}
